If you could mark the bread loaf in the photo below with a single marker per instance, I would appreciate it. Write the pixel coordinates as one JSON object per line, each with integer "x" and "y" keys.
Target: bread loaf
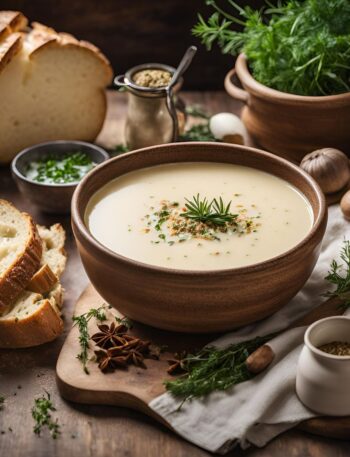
{"x": 52, "y": 86}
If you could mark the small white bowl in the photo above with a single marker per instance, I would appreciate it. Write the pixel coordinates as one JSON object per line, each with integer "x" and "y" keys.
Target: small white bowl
{"x": 323, "y": 380}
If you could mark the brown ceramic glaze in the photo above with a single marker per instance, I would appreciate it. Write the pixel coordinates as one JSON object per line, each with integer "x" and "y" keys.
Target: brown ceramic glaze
{"x": 197, "y": 301}
{"x": 290, "y": 125}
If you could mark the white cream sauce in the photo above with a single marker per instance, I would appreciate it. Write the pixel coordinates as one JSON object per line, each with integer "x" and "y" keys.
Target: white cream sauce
{"x": 116, "y": 214}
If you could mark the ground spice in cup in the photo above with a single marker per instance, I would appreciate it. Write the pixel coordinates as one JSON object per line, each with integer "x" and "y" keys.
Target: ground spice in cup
{"x": 336, "y": 348}
{"x": 152, "y": 78}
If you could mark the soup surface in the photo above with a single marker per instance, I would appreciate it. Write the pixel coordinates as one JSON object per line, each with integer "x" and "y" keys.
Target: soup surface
{"x": 201, "y": 216}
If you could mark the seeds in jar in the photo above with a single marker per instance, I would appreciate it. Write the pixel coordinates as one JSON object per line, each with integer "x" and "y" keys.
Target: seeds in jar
{"x": 336, "y": 348}
{"x": 152, "y": 78}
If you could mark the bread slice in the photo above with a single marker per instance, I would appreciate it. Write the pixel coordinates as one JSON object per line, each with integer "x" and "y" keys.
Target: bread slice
{"x": 52, "y": 86}
{"x": 35, "y": 318}
{"x": 20, "y": 252}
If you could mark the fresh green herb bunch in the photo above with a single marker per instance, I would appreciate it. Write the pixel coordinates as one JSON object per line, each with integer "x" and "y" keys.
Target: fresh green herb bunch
{"x": 339, "y": 275}
{"x": 214, "y": 212}
{"x": 299, "y": 47}
{"x": 215, "y": 369}
{"x": 62, "y": 169}
{"x": 41, "y": 414}
{"x": 84, "y": 337}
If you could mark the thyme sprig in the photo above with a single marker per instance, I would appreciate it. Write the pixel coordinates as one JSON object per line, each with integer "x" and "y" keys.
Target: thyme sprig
{"x": 339, "y": 275}
{"x": 203, "y": 210}
{"x": 84, "y": 337}
{"x": 41, "y": 414}
{"x": 213, "y": 369}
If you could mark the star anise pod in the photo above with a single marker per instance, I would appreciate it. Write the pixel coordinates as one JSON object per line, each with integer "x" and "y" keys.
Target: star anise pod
{"x": 107, "y": 361}
{"x": 110, "y": 335}
{"x": 178, "y": 364}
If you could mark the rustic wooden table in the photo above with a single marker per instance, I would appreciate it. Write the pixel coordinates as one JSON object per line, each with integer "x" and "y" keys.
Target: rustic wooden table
{"x": 101, "y": 431}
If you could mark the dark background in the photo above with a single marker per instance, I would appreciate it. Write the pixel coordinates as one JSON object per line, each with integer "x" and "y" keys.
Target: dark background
{"x": 131, "y": 32}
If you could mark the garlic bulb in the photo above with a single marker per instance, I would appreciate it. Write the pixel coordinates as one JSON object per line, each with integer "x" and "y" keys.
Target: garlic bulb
{"x": 329, "y": 167}
{"x": 345, "y": 205}
{"x": 228, "y": 127}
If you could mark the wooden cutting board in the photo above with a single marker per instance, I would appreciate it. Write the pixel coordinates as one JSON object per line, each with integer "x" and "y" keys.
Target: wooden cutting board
{"x": 136, "y": 387}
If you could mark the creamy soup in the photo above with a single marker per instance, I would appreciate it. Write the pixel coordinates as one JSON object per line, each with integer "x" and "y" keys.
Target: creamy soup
{"x": 201, "y": 216}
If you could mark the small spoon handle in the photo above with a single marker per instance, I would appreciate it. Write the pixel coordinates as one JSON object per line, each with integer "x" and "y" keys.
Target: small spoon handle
{"x": 183, "y": 65}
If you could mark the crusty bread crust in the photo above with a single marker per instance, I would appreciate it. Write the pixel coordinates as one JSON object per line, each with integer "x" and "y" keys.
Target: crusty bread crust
{"x": 43, "y": 280}
{"x": 38, "y": 328}
{"x": 17, "y": 276}
{"x": 11, "y": 21}
{"x": 43, "y": 37}
{"x": 9, "y": 47}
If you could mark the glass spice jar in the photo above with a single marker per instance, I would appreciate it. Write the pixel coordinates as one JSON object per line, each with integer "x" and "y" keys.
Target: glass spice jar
{"x": 150, "y": 120}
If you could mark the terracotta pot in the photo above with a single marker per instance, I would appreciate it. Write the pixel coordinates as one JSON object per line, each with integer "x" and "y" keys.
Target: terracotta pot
{"x": 290, "y": 125}
{"x": 197, "y": 301}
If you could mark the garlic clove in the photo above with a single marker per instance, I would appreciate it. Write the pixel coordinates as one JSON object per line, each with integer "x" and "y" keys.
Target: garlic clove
{"x": 329, "y": 167}
{"x": 345, "y": 205}
{"x": 229, "y": 128}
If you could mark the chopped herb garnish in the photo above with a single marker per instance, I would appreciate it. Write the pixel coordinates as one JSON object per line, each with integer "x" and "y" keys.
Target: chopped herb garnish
{"x": 41, "y": 414}
{"x": 199, "y": 218}
{"x": 60, "y": 169}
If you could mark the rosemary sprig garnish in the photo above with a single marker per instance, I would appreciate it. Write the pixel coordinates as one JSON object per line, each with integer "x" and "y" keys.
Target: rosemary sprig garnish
{"x": 84, "y": 337}
{"x": 41, "y": 414}
{"x": 339, "y": 275}
{"x": 214, "y": 212}
{"x": 214, "y": 369}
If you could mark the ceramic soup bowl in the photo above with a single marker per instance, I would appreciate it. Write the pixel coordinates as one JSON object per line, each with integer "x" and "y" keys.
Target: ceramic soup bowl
{"x": 323, "y": 379}
{"x": 195, "y": 300}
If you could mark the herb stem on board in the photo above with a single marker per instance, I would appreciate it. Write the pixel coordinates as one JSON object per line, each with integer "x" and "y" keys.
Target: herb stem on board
{"x": 41, "y": 413}
{"x": 214, "y": 369}
{"x": 82, "y": 323}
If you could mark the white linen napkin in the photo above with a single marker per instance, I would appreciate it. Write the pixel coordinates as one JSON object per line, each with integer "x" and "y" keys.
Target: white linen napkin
{"x": 256, "y": 411}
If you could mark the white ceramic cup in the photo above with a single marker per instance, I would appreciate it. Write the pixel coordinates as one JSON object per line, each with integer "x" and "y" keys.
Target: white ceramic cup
{"x": 323, "y": 380}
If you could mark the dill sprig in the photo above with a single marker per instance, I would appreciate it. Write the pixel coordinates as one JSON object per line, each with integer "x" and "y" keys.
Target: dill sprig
{"x": 299, "y": 47}
{"x": 213, "y": 369}
{"x": 339, "y": 275}
{"x": 203, "y": 210}
{"x": 41, "y": 414}
{"x": 84, "y": 337}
